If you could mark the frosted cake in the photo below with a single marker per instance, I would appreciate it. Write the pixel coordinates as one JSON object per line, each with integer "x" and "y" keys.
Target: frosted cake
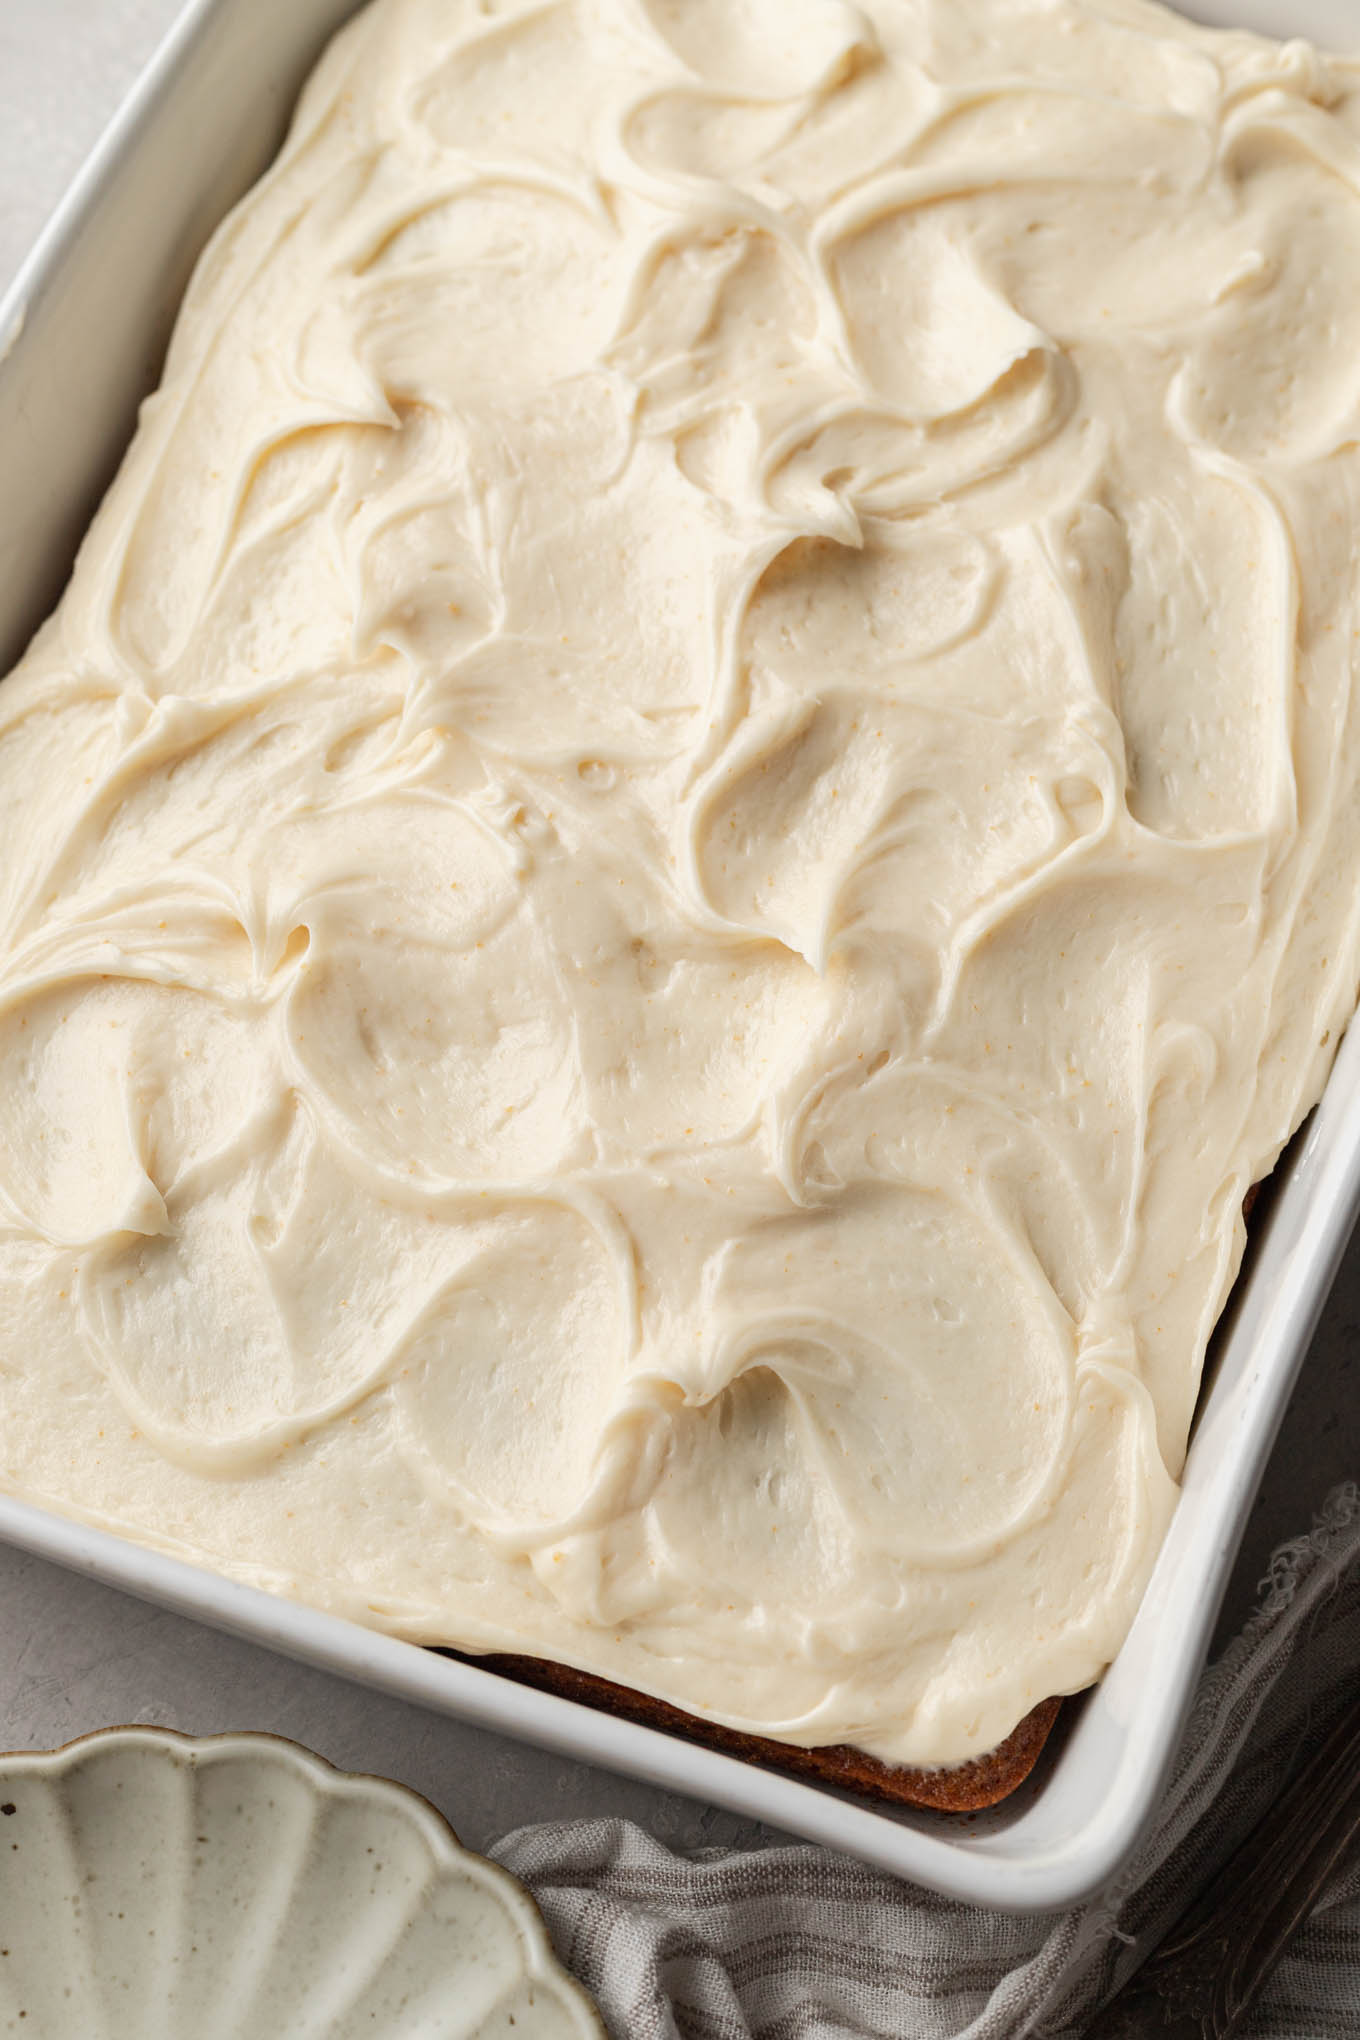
{"x": 691, "y": 823}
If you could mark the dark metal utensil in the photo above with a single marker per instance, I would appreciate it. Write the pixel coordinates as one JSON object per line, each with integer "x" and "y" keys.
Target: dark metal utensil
{"x": 1201, "y": 1981}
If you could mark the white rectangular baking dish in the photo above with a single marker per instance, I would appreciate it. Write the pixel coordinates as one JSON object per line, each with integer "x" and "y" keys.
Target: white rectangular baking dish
{"x": 81, "y": 334}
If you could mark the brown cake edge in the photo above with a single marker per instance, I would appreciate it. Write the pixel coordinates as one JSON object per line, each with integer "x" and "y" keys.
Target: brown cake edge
{"x": 957, "y": 1788}
{"x": 969, "y": 1787}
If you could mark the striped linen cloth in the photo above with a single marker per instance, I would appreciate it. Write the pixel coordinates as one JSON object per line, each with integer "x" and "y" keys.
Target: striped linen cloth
{"x": 801, "y": 1944}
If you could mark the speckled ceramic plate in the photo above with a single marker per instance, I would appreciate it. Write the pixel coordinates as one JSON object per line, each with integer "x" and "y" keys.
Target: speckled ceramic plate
{"x": 156, "y": 1887}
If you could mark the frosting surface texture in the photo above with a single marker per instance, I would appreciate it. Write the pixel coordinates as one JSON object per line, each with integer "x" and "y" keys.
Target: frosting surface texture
{"x": 690, "y": 824}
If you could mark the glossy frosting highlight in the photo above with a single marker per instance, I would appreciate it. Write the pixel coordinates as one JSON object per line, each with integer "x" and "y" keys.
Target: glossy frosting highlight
{"x": 689, "y": 826}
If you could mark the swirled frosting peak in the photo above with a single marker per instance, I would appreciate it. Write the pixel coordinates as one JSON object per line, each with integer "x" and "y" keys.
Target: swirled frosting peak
{"x": 690, "y": 824}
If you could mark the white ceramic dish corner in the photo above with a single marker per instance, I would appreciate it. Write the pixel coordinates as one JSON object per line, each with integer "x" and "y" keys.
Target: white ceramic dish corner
{"x": 155, "y": 1886}
{"x": 197, "y": 130}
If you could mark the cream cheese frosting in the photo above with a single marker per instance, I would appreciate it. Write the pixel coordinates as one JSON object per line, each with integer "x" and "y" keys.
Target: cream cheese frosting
{"x": 690, "y": 824}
